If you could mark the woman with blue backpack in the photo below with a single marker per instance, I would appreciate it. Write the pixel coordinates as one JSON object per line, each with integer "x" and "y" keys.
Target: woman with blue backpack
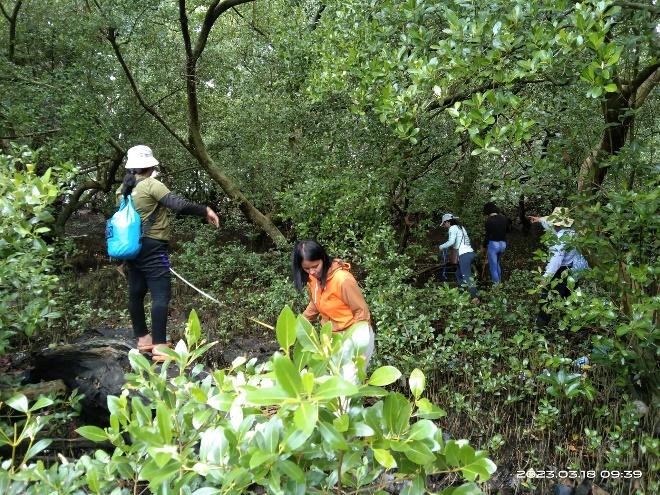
{"x": 149, "y": 270}
{"x": 563, "y": 259}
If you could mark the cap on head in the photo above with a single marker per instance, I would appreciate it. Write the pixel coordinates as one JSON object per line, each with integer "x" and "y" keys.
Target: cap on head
{"x": 140, "y": 156}
{"x": 559, "y": 217}
{"x": 446, "y": 217}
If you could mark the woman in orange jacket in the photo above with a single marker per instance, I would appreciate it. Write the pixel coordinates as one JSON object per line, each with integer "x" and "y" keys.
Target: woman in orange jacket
{"x": 334, "y": 295}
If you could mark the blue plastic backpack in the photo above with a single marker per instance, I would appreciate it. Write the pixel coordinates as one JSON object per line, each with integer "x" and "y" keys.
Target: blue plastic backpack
{"x": 123, "y": 232}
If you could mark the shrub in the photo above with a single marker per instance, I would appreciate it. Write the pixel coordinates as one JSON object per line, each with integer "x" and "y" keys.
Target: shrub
{"x": 291, "y": 425}
{"x": 27, "y": 282}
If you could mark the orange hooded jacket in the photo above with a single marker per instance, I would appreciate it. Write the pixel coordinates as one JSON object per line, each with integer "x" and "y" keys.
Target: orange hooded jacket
{"x": 341, "y": 303}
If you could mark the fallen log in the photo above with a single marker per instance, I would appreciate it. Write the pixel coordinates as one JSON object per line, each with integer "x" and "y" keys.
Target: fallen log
{"x": 95, "y": 367}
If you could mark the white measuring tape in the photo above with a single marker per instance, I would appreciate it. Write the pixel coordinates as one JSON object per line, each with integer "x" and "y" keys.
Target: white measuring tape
{"x": 270, "y": 327}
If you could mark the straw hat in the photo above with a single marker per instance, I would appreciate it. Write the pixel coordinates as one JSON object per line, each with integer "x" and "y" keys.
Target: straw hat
{"x": 559, "y": 217}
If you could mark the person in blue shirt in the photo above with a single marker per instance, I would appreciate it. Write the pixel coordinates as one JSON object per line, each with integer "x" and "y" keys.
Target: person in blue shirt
{"x": 561, "y": 259}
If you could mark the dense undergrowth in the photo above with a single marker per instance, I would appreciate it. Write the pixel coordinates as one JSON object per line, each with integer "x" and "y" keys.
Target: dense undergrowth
{"x": 522, "y": 393}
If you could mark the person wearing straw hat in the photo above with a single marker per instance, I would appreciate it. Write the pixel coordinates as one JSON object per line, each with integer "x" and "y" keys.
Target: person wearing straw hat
{"x": 150, "y": 271}
{"x": 561, "y": 258}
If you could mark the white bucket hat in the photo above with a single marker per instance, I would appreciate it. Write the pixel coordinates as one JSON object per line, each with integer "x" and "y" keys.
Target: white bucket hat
{"x": 447, "y": 216}
{"x": 140, "y": 156}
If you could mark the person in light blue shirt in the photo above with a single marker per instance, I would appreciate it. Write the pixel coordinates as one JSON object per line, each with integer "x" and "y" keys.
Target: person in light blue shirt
{"x": 459, "y": 240}
{"x": 561, "y": 258}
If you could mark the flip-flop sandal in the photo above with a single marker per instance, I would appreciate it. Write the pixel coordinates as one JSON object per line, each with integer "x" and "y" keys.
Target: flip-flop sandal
{"x": 159, "y": 358}
{"x": 150, "y": 347}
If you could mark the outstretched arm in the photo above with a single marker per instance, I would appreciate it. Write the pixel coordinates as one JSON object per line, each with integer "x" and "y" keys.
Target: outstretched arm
{"x": 182, "y": 205}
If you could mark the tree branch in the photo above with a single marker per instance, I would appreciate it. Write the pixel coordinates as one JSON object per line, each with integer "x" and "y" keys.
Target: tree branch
{"x": 642, "y": 78}
{"x": 517, "y": 85}
{"x": 94, "y": 186}
{"x": 112, "y": 37}
{"x": 645, "y": 88}
{"x": 32, "y": 134}
{"x": 252, "y": 24}
{"x": 216, "y": 9}
{"x": 185, "y": 32}
{"x": 4, "y": 12}
{"x": 317, "y": 17}
{"x": 654, "y": 9}
{"x": 12, "y": 28}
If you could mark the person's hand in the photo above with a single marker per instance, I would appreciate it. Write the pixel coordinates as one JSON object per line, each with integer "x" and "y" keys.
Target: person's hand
{"x": 212, "y": 218}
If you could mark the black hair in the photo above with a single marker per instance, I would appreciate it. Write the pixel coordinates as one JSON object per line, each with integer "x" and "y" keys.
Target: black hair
{"x": 130, "y": 181}
{"x": 308, "y": 250}
{"x": 490, "y": 208}
{"x": 454, "y": 221}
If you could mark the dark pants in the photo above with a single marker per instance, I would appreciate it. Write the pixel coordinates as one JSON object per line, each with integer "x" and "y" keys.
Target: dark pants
{"x": 464, "y": 272}
{"x": 543, "y": 318}
{"x": 150, "y": 271}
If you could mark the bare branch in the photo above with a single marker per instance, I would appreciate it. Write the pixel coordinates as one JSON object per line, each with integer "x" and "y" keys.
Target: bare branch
{"x": 216, "y": 9}
{"x": 12, "y": 28}
{"x": 645, "y": 88}
{"x": 317, "y": 17}
{"x": 252, "y": 24}
{"x": 112, "y": 37}
{"x": 32, "y": 134}
{"x": 183, "y": 20}
{"x": 4, "y": 12}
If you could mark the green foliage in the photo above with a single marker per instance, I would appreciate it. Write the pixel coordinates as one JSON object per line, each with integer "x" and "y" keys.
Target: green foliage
{"x": 402, "y": 58}
{"x": 620, "y": 238}
{"x": 249, "y": 285}
{"x": 291, "y": 425}
{"x": 27, "y": 282}
{"x": 25, "y": 429}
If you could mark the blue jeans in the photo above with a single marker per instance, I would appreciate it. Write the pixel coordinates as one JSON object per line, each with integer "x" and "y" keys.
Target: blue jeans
{"x": 464, "y": 272}
{"x": 495, "y": 251}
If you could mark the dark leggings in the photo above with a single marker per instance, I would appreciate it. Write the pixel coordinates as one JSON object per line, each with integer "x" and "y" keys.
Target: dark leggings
{"x": 150, "y": 271}
{"x": 543, "y": 318}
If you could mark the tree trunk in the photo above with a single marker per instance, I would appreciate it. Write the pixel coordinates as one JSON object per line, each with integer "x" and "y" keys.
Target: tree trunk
{"x": 619, "y": 117}
{"x": 232, "y": 190}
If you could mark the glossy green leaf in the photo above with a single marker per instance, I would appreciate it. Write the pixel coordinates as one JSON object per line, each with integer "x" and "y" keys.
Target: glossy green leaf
{"x": 332, "y": 437}
{"x": 419, "y": 453}
{"x": 306, "y": 416}
{"x": 93, "y": 433}
{"x": 384, "y": 458}
{"x": 291, "y": 469}
{"x": 260, "y": 457}
{"x": 18, "y": 402}
{"x": 422, "y": 429}
{"x": 38, "y": 447}
{"x": 479, "y": 470}
{"x": 306, "y": 335}
{"x": 417, "y": 383}
{"x": 335, "y": 387}
{"x": 193, "y": 329}
{"x": 285, "y": 328}
{"x": 164, "y": 421}
{"x": 288, "y": 377}
{"x": 396, "y": 413}
{"x": 384, "y": 375}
